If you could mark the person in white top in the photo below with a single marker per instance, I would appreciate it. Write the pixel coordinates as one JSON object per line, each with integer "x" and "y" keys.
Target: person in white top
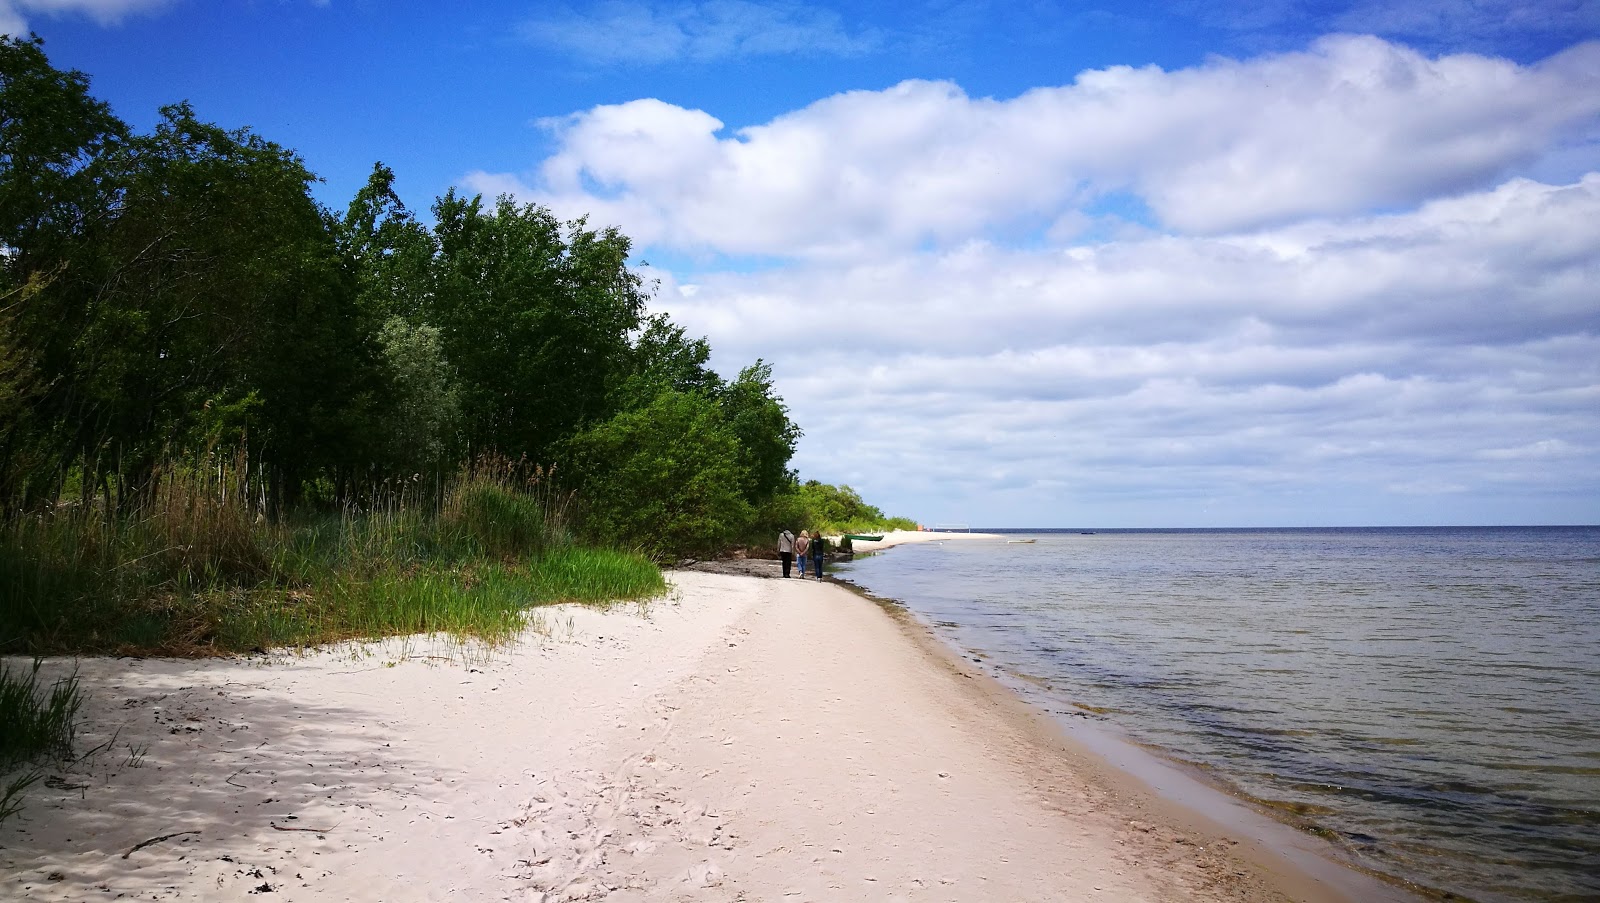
{"x": 786, "y": 550}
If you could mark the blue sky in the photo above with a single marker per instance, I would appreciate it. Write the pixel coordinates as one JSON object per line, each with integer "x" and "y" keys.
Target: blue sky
{"x": 1052, "y": 264}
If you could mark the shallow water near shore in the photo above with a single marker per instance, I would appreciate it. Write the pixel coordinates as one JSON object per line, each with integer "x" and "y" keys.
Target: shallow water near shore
{"x": 1428, "y": 699}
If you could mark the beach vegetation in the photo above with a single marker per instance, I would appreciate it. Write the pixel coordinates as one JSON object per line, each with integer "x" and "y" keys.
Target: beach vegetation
{"x": 41, "y": 725}
{"x": 194, "y": 568}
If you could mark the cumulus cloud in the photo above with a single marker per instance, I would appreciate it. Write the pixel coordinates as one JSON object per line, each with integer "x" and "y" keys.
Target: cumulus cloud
{"x": 1350, "y": 125}
{"x": 1350, "y": 284}
{"x": 638, "y": 33}
{"x": 1341, "y": 366}
{"x": 13, "y": 19}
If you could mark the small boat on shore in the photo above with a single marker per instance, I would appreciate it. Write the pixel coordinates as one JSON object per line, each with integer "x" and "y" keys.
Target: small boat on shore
{"x": 863, "y": 537}
{"x": 1021, "y": 541}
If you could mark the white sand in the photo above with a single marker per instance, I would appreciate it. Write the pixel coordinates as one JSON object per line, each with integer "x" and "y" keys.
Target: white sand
{"x": 749, "y": 740}
{"x": 902, "y": 537}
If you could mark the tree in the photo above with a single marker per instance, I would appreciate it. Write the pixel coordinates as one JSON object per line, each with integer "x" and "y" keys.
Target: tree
{"x": 54, "y": 199}
{"x": 214, "y": 280}
{"x": 424, "y": 408}
{"x": 767, "y": 437}
{"x": 665, "y": 358}
{"x": 664, "y": 479}
{"x": 392, "y": 254}
{"x": 535, "y": 317}
{"x": 52, "y": 136}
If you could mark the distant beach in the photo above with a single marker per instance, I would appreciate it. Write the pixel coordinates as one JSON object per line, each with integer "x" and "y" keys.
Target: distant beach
{"x": 744, "y": 739}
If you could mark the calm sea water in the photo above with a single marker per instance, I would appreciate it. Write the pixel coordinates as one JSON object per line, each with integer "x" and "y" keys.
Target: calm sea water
{"x": 1428, "y": 699}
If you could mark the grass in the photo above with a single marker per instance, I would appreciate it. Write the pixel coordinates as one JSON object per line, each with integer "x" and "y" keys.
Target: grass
{"x": 195, "y": 570}
{"x": 39, "y": 724}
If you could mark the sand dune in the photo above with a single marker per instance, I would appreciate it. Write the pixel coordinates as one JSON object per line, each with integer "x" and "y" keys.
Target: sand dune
{"x": 745, "y": 740}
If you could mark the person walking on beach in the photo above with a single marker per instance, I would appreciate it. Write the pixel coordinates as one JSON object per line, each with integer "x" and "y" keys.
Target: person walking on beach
{"x": 819, "y": 547}
{"x": 800, "y": 546}
{"x": 786, "y": 550}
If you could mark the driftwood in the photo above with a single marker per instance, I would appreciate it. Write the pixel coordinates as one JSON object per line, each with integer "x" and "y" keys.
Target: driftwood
{"x": 155, "y": 840}
{"x": 307, "y": 830}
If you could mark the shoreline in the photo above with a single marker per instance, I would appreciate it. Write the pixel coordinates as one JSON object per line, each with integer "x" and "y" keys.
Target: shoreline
{"x": 744, "y": 739}
{"x": 1299, "y": 864}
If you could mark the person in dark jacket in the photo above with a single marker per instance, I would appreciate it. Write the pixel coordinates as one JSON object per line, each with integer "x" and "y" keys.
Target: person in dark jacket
{"x": 819, "y": 547}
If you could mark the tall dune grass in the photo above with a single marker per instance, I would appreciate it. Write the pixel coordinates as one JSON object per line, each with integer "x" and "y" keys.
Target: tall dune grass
{"x": 197, "y": 568}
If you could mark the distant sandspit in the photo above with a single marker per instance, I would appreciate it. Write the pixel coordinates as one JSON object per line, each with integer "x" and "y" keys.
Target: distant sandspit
{"x": 745, "y": 739}
{"x": 902, "y": 537}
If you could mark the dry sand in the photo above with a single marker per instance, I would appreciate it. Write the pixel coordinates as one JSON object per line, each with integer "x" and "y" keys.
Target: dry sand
{"x": 745, "y": 740}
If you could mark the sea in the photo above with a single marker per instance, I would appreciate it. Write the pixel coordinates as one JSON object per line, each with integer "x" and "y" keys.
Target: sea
{"x": 1427, "y": 699}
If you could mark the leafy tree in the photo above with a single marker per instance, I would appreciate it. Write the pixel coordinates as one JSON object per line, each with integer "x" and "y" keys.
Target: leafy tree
{"x": 392, "y": 254}
{"x": 425, "y": 408}
{"x": 838, "y": 505}
{"x": 217, "y": 278}
{"x": 170, "y": 293}
{"x": 665, "y": 358}
{"x": 663, "y": 479}
{"x": 54, "y": 197}
{"x": 535, "y": 318}
{"x": 52, "y": 135}
{"x": 767, "y": 437}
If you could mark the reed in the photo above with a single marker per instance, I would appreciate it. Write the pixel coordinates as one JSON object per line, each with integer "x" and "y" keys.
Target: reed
{"x": 197, "y": 568}
{"x": 576, "y": 574}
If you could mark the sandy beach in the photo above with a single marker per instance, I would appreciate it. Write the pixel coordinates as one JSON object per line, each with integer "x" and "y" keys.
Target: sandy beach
{"x": 743, "y": 740}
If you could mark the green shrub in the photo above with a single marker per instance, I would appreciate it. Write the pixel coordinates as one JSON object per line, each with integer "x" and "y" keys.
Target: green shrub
{"x": 664, "y": 479}
{"x": 821, "y": 507}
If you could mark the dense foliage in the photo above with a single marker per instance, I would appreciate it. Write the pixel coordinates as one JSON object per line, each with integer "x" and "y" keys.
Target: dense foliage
{"x": 178, "y": 297}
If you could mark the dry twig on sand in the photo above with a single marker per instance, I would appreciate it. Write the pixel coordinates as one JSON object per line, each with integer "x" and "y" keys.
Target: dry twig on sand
{"x": 155, "y": 840}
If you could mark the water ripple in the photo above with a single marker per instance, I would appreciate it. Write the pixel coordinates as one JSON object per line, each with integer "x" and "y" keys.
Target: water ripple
{"x": 1428, "y": 698}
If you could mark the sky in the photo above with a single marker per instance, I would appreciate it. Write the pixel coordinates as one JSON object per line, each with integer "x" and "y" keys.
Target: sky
{"x": 1050, "y": 264}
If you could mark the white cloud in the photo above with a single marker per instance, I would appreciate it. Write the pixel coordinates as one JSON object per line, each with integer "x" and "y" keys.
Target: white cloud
{"x": 1339, "y": 367}
{"x": 1356, "y": 303}
{"x": 1350, "y": 125}
{"x": 105, "y": 12}
{"x": 638, "y": 33}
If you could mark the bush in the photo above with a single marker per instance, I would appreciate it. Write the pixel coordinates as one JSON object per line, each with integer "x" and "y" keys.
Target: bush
{"x": 664, "y": 480}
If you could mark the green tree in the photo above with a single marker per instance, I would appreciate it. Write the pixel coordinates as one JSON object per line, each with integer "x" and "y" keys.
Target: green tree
{"x": 216, "y": 279}
{"x": 664, "y": 478}
{"x": 535, "y": 317}
{"x": 665, "y": 358}
{"x": 53, "y": 135}
{"x": 425, "y": 407}
{"x": 838, "y": 506}
{"x": 55, "y": 199}
{"x": 392, "y": 254}
{"x": 767, "y": 437}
